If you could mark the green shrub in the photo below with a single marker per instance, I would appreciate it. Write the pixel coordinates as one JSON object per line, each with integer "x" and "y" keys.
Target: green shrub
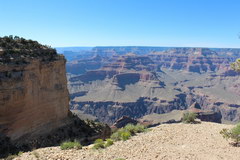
{"x": 71, "y": 145}
{"x": 128, "y": 131}
{"x": 233, "y": 134}
{"x": 120, "y": 159}
{"x": 121, "y": 134}
{"x": 189, "y": 117}
{"x": 140, "y": 128}
{"x": 99, "y": 143}
{"x": 130, "y": 128}
{"x": 116, "y": 136}
{"x": 125, "y": 135}
{"x": 108, "y": 143}
{"x": 133, "y": 129}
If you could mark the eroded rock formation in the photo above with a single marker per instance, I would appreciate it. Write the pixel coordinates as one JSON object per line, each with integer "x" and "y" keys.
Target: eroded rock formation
{"x": 33, "y": 97}
{"x": 136, "y": 85}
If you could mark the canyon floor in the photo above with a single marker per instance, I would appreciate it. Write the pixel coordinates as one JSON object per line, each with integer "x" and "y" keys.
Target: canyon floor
{"x": 167, "y": 141}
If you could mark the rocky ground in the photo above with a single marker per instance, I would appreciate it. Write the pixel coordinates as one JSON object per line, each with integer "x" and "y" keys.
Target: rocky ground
{"x": 167, "y": 141}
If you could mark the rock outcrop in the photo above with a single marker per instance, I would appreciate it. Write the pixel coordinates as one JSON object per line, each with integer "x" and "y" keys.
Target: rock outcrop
{"x": 205, "y": 115}
{"x": 33, "y": 97}
{"x": 33, "y": 91}
{"x": 123, "y": 121}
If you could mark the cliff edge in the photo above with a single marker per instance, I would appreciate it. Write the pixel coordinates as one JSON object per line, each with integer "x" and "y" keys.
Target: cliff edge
{"x": 33, "y": 94}
{"x": 32, "y": 97}
{"x": 166, "y": 142}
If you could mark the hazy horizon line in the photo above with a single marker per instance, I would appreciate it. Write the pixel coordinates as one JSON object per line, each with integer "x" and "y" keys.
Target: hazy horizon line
{"x": 146, "y": 46}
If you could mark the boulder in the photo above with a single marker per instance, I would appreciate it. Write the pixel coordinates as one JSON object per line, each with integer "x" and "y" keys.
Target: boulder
{"x": 123, "y": 121}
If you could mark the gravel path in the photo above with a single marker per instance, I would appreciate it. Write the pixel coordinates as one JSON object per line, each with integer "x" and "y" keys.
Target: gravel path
{"x": 168, "y": 141}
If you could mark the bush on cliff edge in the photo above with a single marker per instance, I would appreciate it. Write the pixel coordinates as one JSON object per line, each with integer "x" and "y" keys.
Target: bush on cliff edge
{"x": 189, "y": 117}
{"x": 233, "y": 134}
{"x": 71, "y": 145}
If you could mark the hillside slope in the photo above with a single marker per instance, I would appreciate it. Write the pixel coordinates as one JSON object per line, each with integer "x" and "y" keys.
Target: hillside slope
{"x": 168, "y": 141}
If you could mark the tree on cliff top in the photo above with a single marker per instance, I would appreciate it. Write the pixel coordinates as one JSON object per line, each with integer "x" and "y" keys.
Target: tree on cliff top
{"x": 16, "y": 49}
{"x": 236, "y": 65}
{"x": 17, "y": 43}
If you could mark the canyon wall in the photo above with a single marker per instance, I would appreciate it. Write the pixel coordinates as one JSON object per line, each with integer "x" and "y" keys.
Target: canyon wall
{"x": 33, "y": 97}
{"x": 132, "y": 84}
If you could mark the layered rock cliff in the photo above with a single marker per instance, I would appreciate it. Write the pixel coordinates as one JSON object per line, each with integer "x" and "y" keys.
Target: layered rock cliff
{"x": 33, "y": 97}
{"x": 159, "y": 82}
{"x": 197, "y": 60}
{"x": 33, "y": 90}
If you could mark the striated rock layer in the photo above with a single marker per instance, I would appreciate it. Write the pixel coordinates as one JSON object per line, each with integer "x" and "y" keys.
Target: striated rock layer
{"x": 138, "y": 85}
{"x": 33, "y": 97}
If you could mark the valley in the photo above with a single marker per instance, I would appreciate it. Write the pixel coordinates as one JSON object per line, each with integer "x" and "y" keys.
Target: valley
{"x": 139, "y": 81}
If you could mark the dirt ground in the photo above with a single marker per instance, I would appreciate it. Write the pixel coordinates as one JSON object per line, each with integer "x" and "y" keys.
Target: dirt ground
{"x": 168, "y": 141}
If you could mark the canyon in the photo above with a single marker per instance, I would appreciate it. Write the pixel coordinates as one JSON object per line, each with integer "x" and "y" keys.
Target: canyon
{"x": 34, "y": 99}
{"x": 140, "y": 81}
{"x": 150, "y": 85}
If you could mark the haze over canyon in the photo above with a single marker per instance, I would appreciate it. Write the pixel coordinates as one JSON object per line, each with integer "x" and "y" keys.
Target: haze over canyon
{"x": 110, "y": 82}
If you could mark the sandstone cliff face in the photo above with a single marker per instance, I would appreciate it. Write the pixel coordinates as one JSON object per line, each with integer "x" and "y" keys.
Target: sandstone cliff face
{"x": 33, "y": 97}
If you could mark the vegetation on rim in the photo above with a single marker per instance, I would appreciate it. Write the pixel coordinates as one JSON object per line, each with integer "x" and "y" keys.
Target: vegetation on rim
{"x": 189, "y": 117}
{"x": 71, "y": 145}
{"x": 17, "y": 50}
{"x": 108, "y": 143}
{"x": 126, "y": 132}
{"x": 236, "y": 65}
{"x": 121, "y": 134}
{"x": 99, "y": 143}
{"x": 233, "y": 134}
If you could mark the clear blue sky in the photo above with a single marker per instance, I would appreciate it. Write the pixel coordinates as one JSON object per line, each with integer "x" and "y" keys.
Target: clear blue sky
{"x": 194, "y": 23}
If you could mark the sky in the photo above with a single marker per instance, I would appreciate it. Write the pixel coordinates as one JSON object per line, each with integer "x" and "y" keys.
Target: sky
{"x": 180, "y": 23}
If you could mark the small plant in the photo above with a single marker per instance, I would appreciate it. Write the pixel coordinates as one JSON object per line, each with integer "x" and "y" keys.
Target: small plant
{"x": 130, "y": 128}
{"x": 189, "y": 117}
{"x": 233, "y": 134}
{"x": 116, "y": 136}
{"x": 71, "y": 145}
{"x": 99, "y": 143}
{"x": 140, "y": 128}
{"x": 125, "y": 135}
{"x": 133, "y": 129}
{"x": 120, "y": 159}
{"x": 121, "y": 134}
{"x": 108, "y": 143}
{"x": 128, "y": 131}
